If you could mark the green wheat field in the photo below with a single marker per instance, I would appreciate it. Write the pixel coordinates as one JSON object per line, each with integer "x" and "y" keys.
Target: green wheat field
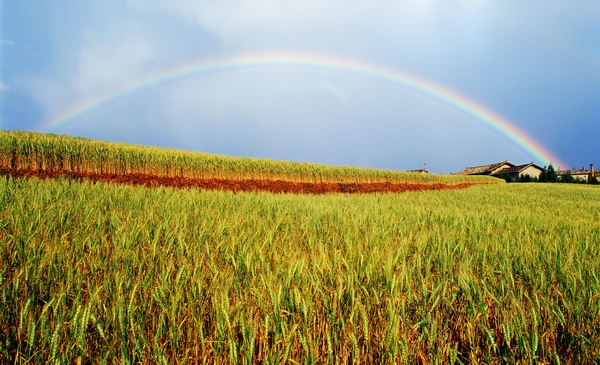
{"x": 112, "y": 274}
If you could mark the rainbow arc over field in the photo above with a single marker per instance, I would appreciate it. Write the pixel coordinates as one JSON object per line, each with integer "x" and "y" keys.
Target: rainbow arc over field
{"x": 311, "y": 60}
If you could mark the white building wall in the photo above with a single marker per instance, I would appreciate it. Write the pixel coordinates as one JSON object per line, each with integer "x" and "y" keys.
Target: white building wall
{"x": 531, "y": 171}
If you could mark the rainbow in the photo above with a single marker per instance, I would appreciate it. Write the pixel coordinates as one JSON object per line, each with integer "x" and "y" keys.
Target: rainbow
{"x": 295, "y": 59}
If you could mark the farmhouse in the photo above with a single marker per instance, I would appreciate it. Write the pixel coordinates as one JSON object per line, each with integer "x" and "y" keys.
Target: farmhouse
{"x": 490, "y": 170}
{"x": 421, "y": 171}
{"x": 505, "y": 169}
{"x": 532, "y": 170}
{"x": 581, "y": 174}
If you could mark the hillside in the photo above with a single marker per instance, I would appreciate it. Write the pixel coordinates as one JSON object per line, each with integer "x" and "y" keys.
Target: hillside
{"x": 45, "y": 155}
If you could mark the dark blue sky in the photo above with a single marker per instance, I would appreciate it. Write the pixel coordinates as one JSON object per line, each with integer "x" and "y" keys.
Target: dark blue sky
{"x": 536, "y": 64}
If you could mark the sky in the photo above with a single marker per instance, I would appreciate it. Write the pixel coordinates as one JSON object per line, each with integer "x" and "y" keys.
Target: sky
{"x": 391, "y": 84}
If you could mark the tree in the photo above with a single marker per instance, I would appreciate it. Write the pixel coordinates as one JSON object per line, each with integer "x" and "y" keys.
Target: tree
{"x": 525, "y": 178}
{"x": 567, "y": 178}
{"x": 552, "y": 175}
{"x": 544, "y": 176}
{"x": 506, "y": 177}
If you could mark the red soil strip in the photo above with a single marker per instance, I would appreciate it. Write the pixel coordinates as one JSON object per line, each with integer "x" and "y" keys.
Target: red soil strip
{"x": 273, "y": 186}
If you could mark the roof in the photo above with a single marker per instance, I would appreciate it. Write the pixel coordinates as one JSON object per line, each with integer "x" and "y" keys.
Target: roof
{"x": 518, "y": 169}
{"x": 582, "y": 171}
{"x": 484, "y": 170}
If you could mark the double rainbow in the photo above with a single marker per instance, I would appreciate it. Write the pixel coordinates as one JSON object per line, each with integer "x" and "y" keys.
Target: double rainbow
{"x": 309, "y": 60}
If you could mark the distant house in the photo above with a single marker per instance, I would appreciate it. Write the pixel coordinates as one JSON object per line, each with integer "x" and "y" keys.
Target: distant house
{"x": 505, "y": 169}
{"x": 490, "y": 170}
{"x": 421, "y": 171}
{"x": 581, "y": 174}
{"x": 516, "y": 172}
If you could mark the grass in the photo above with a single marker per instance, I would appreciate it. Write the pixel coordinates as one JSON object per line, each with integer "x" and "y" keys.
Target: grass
{"x": 115, "y": 274}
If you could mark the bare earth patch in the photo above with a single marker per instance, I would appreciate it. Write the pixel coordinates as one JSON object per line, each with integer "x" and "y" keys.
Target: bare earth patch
{"x": 273, "y": 186}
